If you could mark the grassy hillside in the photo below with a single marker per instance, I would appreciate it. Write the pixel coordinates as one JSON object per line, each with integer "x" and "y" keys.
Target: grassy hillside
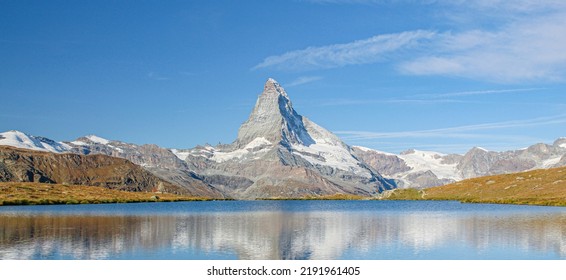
{"x": 41, "y": 193}
{"x": 537, "y": 187}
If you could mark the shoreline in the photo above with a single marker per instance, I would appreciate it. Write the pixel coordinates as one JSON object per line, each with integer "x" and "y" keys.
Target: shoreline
{"x": 538, "y": 187}
{"x": 13, "y": 194}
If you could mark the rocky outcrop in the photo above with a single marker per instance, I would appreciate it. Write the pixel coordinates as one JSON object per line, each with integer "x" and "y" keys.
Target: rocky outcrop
{"x": 476, "y": 162}
{"x": 19, "y": 165}
{"x": 143, "y": 155}
{"x": 161, "y": 162}
{"x": 386, "y": 164}
{"x": 479, "y": 162}
{"x": 424, "y": 179}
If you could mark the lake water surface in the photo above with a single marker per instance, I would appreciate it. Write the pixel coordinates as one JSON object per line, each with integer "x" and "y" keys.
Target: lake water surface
{"x": 321, "y": 230}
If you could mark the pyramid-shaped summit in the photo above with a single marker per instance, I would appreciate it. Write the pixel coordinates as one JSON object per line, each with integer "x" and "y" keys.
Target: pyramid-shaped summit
{"x": 274, "y": 119}
{"x": 279, "y": 153}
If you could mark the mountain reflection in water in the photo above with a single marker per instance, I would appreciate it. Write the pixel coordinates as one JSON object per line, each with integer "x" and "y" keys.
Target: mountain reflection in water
{"x": 284, "y": 235}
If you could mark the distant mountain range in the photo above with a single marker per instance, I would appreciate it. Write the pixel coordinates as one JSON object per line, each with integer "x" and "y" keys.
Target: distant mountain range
{"x": 279, "y": 153}
{"x": 421, "y": 169}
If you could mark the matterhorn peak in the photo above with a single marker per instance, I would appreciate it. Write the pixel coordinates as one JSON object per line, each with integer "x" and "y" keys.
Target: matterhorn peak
{"x": 272, "y": 87}
{"x": 281, "y": 153}
{"x": 273, "y": 118}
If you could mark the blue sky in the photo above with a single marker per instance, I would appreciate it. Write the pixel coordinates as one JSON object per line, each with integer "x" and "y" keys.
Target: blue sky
{"x": 389, "y": 75}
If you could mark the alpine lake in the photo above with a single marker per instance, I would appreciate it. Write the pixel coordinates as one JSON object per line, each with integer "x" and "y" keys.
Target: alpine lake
{"x": 275, "y": 230}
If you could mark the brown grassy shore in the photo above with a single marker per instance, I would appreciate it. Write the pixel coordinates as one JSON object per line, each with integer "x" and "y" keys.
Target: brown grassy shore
{"x": 538, "y": 187}
{"x": 39, "y": 193}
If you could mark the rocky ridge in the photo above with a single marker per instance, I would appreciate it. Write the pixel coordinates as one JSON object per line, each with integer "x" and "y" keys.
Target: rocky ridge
{"x": 159, "y": 161}
{"x": 22, "y": 165}
{"x": 422, "y": 169}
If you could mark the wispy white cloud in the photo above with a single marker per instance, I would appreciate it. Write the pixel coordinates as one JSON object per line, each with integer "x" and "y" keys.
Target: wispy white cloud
{"x": 523, "y": 40}
{"x": 455, "y": 132}
{"x": 365, "y": 51}
{"x": 495, "y": 6}
{"x": 304, "y": 80}
{"x": 525, "y": 50}
{"x": 504, "y": 8}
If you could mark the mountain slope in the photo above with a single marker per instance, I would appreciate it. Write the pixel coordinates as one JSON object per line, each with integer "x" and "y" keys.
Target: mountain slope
{"x": 279, "y": 153}
{"x": 28, "y": 193}
{"x": 159, "y": 161}
{"x": 480, "y": 162}
{"x": 19, "y": 165}
{"x": 143, "y": 155}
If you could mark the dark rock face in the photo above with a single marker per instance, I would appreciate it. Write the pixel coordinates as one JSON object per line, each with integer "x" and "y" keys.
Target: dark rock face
{"x": 386, "y": 164}
{"x": 144, "y": 155}
{"x": 159, "y": 161}
{"x": 425, "y": 179}
{"x": 478, "y": 162}
{"x": 19, "y": 165}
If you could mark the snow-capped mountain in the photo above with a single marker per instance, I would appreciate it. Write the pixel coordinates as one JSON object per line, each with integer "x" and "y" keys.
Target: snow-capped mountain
{"x": 480, "y": 162}
{"x": 159, "y": 161}
{"x": 144, "y": 155}
{"x": 22, "y": 140}
{"x": 26, "y": 165}
{"x": 413, "y": 168}
{"x": 421, "y": 169}
{"x": 148, "y": 155}
{"x": 280, "y": 153}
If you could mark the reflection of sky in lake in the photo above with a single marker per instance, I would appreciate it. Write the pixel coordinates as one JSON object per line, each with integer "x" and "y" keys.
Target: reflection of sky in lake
{"x": 283, "y": 230}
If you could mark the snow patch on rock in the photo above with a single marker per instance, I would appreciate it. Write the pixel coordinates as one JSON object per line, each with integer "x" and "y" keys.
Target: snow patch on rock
{"x": 427, "y": 160}
{"x": 97, "y": 139}
{"x": 256, "y": 146}
{"x": 22, "y": 140}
